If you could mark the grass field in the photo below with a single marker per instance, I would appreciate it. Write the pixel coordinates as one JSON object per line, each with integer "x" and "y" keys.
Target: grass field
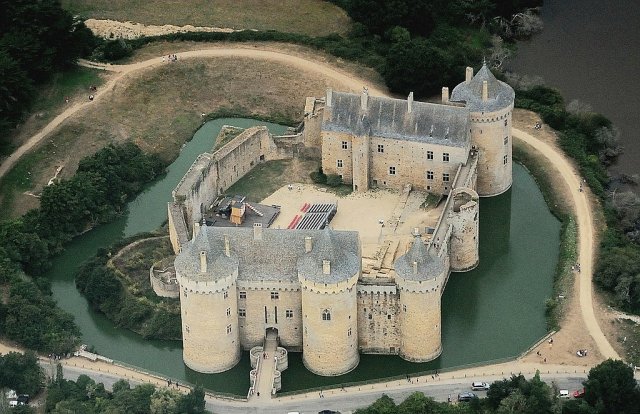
{"x": 312, "y": 17}
{"x": 160, "y": 110}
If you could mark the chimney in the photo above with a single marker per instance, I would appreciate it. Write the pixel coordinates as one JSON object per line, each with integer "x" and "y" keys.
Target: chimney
{"x": 329, "y": 97}
{"x": 203, "y": 262}
{"x": 196, "y": 229}
{"x": 415, "y": 268}
{"x": 485, "y": 91}
{"x": 227, "y": 246}
{"x": 257, "y": 231}
{"x": 410, "y": 102}
{"x": 445, "y": 95}
{"x": 326, "y": 267}
{"x": 469, "y": 74}
{"x": 308, "y": 244}
{"x": 364, "y": 97}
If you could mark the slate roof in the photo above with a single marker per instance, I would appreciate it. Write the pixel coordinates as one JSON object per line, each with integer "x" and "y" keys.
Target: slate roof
{"x": 389, "y": 118}
{"x": 274, "y": 257}
{"x": 500, "y": 94}
{"x": 429, "y": 266}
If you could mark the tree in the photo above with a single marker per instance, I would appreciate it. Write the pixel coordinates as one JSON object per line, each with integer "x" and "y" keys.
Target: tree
{"x": 192, "y": 403}
{"x": 383, "y": 405}
{"x": 21, "y": 372}
{"x": 612, "y": 389}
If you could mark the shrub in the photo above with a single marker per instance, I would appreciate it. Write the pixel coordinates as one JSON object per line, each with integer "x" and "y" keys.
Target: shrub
{"x": 318, "y": 177}
{"x": 334, "y": 180}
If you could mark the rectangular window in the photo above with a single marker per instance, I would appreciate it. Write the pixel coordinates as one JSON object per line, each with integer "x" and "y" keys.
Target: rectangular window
{"x": 505, "y": 159}
{"x": 275, "y": 295}
{"x": 225, "y": 295}
{"x": 345, "y": 145}
{"x": 228, "y": 311}
{"x": 242, "y": 313}
{"x": 289, "y": 313}
{"x": 429, "y": 155}
{"x": 506, "y": 140}
{"x": 429, "y": 175}
{"x": 349, "y": 332}
{"x": 339, "y": 163}
{"x": 228, "y": 329}
{"x": 392, "y": 170}
{"x": 505, "y": 122}
{"x": 445, "y": 177}
{"x": 404, "y": 308}
{"x": 445, "y": 157}
{"x": 380, "y": 148}
{"x": 243, "y": 295}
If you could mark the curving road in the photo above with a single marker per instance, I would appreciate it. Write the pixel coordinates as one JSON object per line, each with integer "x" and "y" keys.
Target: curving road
{"x": 567, "y": 171}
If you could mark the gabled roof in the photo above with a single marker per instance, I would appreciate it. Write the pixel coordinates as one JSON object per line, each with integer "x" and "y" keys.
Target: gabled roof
{"x": 390, "y": 118}
{"x": 500, "y": 95}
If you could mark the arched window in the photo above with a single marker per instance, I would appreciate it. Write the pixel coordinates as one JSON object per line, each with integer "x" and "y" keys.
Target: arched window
{"x": 326, "y": 315}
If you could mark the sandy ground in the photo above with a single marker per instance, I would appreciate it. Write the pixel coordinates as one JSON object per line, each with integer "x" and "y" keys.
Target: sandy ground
{"x": 112, "y": 29}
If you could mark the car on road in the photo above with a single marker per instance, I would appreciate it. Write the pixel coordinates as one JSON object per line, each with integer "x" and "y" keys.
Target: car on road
{"x": 479, "y": 386}
{"x": 578, "y": 393}
{"x": 466, "y": 396}
{"x": 328, "y": 412}
{"x": 564, "y": 394}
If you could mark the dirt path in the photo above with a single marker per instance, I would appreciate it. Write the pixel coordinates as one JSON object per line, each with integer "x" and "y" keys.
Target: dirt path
{"x": 348, "y": 81}
{"x": 585, "y": 235}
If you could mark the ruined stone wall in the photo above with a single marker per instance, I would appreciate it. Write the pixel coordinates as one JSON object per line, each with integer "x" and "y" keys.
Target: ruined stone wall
{"x": 313, "y": 112}
{"x": 330, "y": 346}
{"x": 210, "y": 334}
{"x": 463, "y": 216}
{"x": 391, "y": 163}
{"x": 178, "y": 232}
{"x": 268, "y": 304}
{"x": 491, "y": 134}
{"x": 378, "y": 324}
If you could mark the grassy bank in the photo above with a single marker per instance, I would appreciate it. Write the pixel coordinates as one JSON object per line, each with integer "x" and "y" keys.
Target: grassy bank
{"x": 546, "y": 177}
{"x": 311, "y": 17}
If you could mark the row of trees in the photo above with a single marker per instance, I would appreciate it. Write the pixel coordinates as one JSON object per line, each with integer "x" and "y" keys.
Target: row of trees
{"x": 37, "y": 39}
{"x": 610, "y": 389}
{"x": 96, "y": 194}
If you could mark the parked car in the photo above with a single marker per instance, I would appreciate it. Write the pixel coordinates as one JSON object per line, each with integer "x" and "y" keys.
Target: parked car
{"x": 578, "y": 393}
{"x": 466, "y": 396}
{"x": 564, "y": 394}
{"x": 480, "y": 386}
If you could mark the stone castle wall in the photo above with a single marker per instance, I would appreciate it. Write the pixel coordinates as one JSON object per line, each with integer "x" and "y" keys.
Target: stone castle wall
{"x": 378, "y": 322}
{"x": 491, "y": 135}
{"x": 464, "y": 218}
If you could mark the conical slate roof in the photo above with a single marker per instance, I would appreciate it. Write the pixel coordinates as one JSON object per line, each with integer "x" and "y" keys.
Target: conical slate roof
{"x": 343, "y": 263}
{"x": 218, "y": 264}
{"x": 428, "y": 266}
{"x": 500, "y": 94}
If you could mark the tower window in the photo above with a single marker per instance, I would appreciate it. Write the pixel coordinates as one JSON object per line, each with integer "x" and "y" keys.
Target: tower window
{"x": 225, "y": 295}
{"x": 228, "y": 311}
{"x": 506, "y": 140}
{"x": 380, "y": 148}
{"x": 505, "y": 159}
{"x": 392, "y": 170}
{"x": 242, "y": 313}
{"x": 445, "y": 177}
{"x": 349, "y": 332}
{"x": 228, "y": 329}
{"x": 339, "y": 162}
{"x": 429, "y": 175}
{"x": 289, "y": 313}
{"x": 429, "y": 155}
{"x": 345, "y": 145}
{"x": 445, "y": 157}
{"x": 404, "y": 308}
{"x": 326, "y": 315}
{"x": 275, "y": 295}
{"x": 243, "y": 295}
{"x": 505, "y": 122}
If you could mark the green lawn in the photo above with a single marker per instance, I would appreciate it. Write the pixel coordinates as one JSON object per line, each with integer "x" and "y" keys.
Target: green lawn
{"x": 312, "y": 17}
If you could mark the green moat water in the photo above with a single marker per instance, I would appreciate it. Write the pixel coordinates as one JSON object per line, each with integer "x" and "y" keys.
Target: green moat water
{"x": 494, "y": 311}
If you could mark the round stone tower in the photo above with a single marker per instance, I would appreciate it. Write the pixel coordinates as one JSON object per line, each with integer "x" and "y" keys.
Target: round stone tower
{"x": 207, "y": 272}
{"x": 463, "y": 218}
{"x": 419, "y": 276}
{"x": 490, "y": 102}
{"x": 328, "y": 274}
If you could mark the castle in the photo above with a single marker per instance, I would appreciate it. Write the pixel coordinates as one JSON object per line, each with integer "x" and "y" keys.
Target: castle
{"x": 308, "y": 286}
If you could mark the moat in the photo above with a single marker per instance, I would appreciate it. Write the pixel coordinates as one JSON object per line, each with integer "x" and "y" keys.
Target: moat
{"x": 495, "y": 311}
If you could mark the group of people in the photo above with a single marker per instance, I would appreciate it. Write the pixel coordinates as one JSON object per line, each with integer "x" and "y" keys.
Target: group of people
{"x": 576, "y": 267}
{"x": 581, "y": 353}
{"x": 170, "y": 58}
{"x": 538, "y": 125}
